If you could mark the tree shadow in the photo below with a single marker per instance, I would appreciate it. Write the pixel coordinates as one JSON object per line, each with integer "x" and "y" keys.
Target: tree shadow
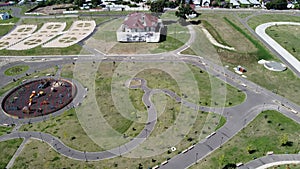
{"x": 229, "y": 166}
{"x": 288, "y": 144}
{"x": 169, "y": 22}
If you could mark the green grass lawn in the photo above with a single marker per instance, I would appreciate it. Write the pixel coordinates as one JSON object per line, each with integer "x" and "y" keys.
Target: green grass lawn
{"x": 105, "y": 40}
{"x": 4, "y": 29}
{"x": 8, "y": 148}
{"x": 4, "y": 130}
{"x": 288, "y": 36}
{"x": 244, "y": 14}
{"x": 67, "y": 71}
{"x": 169, "y": 15}
{"x": 263, "y": 134}
{"x": 16, "y": 70}
{"x": 224, "y": 33}
{"x": 260, "y": 19}
{"x": 67, "y": 128}
{"x": 110, "y": 12}
{"x": 106, "y": 103}
{"x": 71, "y": 50}
{"x": 213, "y": 32}
{"x": 11, "y": 20}
{"x": 290, "y": 166}
{"x": 11, "y": 85}
{"x": 188, "y": 51}
{"x": 156, "y": 79}
{"x": 39, "y": 155}
{"x": 247, "y": 58}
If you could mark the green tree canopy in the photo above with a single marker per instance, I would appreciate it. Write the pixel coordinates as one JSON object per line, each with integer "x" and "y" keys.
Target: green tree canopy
{"x": 277, "y": 4}
{"x": 183, "y": 10}
{"x": 157, "y": 6}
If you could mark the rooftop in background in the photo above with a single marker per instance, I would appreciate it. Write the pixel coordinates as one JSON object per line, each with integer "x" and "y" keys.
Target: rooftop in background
{"x": 140, "y": 27}
{"x": 140, "y": 20}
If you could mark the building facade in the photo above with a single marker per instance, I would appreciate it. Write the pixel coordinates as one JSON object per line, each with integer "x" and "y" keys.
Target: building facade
{"x": 140, "y": 27}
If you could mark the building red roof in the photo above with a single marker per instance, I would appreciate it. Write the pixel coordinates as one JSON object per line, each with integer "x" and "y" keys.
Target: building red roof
{"x": 140, "y": 20}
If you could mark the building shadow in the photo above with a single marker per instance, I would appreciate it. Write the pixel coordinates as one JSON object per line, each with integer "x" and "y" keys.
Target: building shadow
{"x": 163, "y": 34}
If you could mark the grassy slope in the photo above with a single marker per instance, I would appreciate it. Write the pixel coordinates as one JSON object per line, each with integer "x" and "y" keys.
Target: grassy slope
{"x": 67, "y": 128}
{"x": 256, "y": 73}
{"x": 4, "y": 29}
{"x": 4, "y": 130}
{"x": 39, "y": 155}
{"x": 287, "y": 36}
{"x": 262, "y": 134}
{"x": 260, "y": 19}
{"x": 8, "y": 148}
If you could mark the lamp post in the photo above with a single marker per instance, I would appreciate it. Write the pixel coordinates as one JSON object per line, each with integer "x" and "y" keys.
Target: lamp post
{"x": 41, "y": 137}
{"x": 221, "y": 142}
{"x": 85, "y": 156}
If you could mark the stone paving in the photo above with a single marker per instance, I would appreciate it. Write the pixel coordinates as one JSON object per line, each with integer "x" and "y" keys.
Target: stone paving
{"x": 78, "y": 31}
{"x": 48, "y": 31}
{"x": 18, "y": 34}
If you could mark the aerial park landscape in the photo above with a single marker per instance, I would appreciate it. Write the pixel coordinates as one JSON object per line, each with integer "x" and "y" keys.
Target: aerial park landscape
{"x": 213, "y": 88}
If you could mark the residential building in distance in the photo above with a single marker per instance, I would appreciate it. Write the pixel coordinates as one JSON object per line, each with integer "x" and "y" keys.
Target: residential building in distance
{"x": 140, "y": 27}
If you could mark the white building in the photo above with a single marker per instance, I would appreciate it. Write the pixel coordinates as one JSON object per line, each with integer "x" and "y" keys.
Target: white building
{"x": 4, "y": 16}
{"x": 140, "y": 27}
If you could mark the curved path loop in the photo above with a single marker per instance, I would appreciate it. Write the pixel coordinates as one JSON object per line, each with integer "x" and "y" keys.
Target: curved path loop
{"x": 63, "y": 149}
{"x": 204, "y": 147}
{"x": 260, "y": 30}
{"x": 272, "y": 160}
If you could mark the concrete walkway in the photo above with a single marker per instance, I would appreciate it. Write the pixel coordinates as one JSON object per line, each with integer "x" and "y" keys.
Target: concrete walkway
{"x": 17, "y": 153}
{"x": 260, "y": 30}
{"x": 272, "y": 160}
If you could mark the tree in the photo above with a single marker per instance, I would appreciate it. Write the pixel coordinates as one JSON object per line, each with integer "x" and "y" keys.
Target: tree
{"x": 284, "y": 139}
{"x": 183, "y": 10}
{"x": 95, "y": 3}
{"x": 250, "y": 149}
{"x": 157, "y": 6}
{"x": 277, "y": 4}
{"x": 78, "y": 2}
{"x": 221, "y": 160}
{"x": 171, "y": 4}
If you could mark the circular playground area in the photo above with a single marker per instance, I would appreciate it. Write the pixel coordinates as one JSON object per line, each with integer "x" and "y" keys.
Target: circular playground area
{"x": 38, "y": 97}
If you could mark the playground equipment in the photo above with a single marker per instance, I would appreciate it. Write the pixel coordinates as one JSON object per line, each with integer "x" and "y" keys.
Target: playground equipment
{"x": 32, "y": 95}
{"x": 38, "y": 97}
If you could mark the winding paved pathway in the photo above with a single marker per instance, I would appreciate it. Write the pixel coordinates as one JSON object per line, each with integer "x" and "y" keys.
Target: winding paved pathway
{"x": 238, "y": 117}
{"x": 272, "y": 160}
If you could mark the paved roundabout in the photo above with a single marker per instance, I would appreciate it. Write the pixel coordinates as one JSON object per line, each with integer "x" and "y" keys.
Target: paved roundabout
{"x": 38, "y": 98}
